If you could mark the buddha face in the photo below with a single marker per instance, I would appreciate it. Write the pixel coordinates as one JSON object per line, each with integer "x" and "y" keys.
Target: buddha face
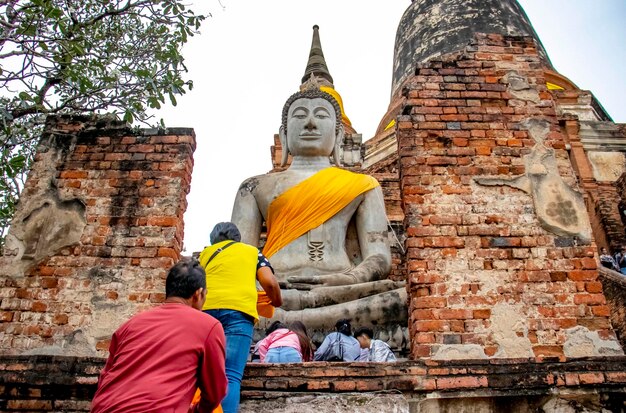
{"x": 311, "y": 127}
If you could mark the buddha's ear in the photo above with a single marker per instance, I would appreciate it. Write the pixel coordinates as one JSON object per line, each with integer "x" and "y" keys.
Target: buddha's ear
{"x": 338, "y": 143}
{"x": 282, "y": 135}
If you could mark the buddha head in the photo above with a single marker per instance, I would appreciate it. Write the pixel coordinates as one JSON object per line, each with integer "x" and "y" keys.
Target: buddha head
{"x": 311, "y": 126}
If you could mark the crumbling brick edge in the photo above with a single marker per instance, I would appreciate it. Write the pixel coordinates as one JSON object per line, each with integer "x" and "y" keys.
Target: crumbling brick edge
{"x": 49, "y": 382}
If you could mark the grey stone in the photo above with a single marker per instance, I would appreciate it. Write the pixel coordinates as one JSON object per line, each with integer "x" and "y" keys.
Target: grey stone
{"x": 582, "y": 342}
{"x": 431, "y": 28}
{"x": 339, "y": 403}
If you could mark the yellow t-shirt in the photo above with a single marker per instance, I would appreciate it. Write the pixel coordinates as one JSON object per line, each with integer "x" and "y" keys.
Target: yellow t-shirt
{"x": 231, "y": 277}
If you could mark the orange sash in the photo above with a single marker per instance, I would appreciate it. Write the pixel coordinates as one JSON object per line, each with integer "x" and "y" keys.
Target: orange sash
{"x": 310, "y": 203}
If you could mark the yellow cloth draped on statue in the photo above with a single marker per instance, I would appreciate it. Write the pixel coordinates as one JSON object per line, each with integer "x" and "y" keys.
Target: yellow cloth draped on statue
{"x": 309, "y": 204}
{"x": 337, "y": 97}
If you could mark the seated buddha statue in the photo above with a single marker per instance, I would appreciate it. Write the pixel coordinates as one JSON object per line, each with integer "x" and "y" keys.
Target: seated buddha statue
{"x": 309, "y": 209}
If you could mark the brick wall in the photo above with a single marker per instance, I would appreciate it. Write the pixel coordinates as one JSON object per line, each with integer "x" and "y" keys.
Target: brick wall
{"x": 615, "y": 290}
{"x": 121, "y": 193}
{"x": 485, "y": 279}
{"x": 606, "y": 200}
{"x": 619, "y": 228}
{"x": 48, "y": 383}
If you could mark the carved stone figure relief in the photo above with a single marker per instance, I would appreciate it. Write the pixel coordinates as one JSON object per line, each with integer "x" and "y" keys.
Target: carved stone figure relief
{"x": 47, "y": 224}
{"x": 559, "y": 208}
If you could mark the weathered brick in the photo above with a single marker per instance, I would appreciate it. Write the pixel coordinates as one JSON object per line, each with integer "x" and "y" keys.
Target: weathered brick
{"x": 33, "y": 405}
{"x": 597, "y": 299}
{"x": 449, "y": 383}
{"x": 615, "y": 376}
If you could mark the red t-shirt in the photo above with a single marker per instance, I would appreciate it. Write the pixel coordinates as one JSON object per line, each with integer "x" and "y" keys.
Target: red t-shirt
{"x": 158, "y": 358}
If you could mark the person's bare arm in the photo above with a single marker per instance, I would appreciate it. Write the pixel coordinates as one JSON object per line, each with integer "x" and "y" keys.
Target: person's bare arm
{"x": 270, "y": 285}
{"x": 371, "y": 226}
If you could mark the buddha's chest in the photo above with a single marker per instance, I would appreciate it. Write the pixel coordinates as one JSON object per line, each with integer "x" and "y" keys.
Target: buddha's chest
{"x": 274, "y": 186}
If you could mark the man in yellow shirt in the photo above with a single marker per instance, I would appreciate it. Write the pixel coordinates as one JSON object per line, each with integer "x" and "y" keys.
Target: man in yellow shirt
{"x": 232, "y": 269}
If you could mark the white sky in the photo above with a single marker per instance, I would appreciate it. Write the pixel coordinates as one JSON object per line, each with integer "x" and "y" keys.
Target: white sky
{"x": 251, "y": 56}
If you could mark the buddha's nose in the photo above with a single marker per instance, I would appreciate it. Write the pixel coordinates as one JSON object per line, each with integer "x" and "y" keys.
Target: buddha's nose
{"x": 310, "y": 124}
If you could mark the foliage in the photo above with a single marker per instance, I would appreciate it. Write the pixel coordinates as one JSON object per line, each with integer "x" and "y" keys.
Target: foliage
{"x": 83, "y": 56}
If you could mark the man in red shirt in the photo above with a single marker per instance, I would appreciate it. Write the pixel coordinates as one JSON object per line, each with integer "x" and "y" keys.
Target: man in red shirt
{"x": 159, "y": 357}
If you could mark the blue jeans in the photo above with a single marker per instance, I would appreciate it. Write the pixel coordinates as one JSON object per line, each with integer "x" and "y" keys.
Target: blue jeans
{"x": 283, "y": 355}
{"x": 238, "y": 331}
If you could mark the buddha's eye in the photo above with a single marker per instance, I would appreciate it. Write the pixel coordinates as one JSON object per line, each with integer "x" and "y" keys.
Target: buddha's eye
{"x": 322, "y": 114}
{"x": 299, "y": 114}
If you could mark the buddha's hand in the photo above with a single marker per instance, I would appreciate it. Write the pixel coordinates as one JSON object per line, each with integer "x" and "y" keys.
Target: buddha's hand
{"x": 308, "y": 282}
{"x": 374, "y": 267}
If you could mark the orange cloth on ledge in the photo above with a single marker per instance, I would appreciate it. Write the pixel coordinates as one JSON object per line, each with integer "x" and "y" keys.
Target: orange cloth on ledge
{"x": 310, "y": 203}
{"x": 196, "y": 400}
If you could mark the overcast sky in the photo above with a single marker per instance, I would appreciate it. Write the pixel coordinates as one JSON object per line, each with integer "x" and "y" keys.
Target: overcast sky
{"x": 251, "y": 56}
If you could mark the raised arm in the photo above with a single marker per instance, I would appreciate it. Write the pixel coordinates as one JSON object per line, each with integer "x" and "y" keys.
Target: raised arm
{"x": 270, "y": 285}
{"x": 246, "y": 214}
{"x": 371, "y": 226}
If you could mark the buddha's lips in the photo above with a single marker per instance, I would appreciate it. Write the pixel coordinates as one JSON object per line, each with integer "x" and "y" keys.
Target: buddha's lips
{"x": 310, "y": 136}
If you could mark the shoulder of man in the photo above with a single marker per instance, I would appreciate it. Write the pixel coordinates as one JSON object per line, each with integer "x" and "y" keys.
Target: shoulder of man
{"x": 243, "y": 249}
{"x": 247, "y": 247}
{"x": 202, "y": 323}
{"x": 187, "y": 313}
{"x": 380, "y": 343}
{"x": 137, "y": 320}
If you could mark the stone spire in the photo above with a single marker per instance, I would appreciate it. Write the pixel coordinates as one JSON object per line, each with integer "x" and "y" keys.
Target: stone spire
{"x": 316, "y": 64}
{"x": 431, "y": 28}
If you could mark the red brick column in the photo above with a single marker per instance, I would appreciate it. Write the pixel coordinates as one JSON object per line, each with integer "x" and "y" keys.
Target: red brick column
{"x": 125, "y": 193}
{"x": 485, "y": 279}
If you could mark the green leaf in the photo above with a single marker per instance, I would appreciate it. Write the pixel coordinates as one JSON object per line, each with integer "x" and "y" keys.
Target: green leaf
{"x": 18, "y": 161}
{"x": 128, "y": 116}
{"x": 25, "y": 96}
{"x": 27, "y": 31}
{"x": 154, "y": 103}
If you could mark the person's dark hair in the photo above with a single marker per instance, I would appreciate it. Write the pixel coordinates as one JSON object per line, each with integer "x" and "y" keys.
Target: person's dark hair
{"x": 273, "y": 327}
{"x": 306, "y": 345}
{"x": 364, "y": 331}
{"x": 184, "y": 279}
{"x": 225, "y": 231}
{"x": 312, "y": 94}
{"x": 343, "y": 326}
